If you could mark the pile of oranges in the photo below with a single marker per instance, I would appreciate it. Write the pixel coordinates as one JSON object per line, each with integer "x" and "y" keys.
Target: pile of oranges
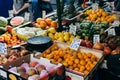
{"x": 46, "y": 23}
{"x": 100, "y": 16}
{"x": 75, "y": 60}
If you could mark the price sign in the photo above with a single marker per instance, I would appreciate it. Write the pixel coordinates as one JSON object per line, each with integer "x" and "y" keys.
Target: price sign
{"x": 73, "y": 29}
{"x": 10, "y": 13}
{"x": 95, "y": 6}
{"x": 96, "y": 38}
{"x": 111, "y": 32}
{"x": 116, "y": 23}
{"x": 3, "y": 48}
{"x": 75, "y": 44}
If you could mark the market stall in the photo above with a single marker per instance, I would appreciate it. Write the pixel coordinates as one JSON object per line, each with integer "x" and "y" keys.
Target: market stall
{"x": 72, "y": 48}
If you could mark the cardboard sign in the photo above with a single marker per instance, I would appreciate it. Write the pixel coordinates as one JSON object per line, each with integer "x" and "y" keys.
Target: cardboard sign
{"x": 116, "y": 23}
{"x": 75, "y": 44}
{"x": 3, "y": 48}
{"x": 96, "y": 38}
{"x": 111, "y": 32}
{"x": 73, "y": 29}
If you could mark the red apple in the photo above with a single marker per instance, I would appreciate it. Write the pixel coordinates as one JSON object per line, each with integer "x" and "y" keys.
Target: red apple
{"x": 33, "y": 63}
{"x": 60, "y": 70}
{"x": 107, "y": 50}
{"x": 9, "y": 28}
{"x": 44, "y": 75}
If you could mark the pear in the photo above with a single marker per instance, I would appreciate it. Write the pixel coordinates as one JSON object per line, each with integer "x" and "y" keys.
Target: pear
{"x": 61, "y": 39}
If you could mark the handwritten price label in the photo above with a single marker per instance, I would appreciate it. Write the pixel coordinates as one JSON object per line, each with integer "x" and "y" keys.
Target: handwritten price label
{"x": 111, "y": 32}
{"x": 3, "y": 48}
{"x": 73, "y": 29}
{"x": 116, "y": 23}
{"x": 75, "y": 44}
{"x": 96, "y": 38}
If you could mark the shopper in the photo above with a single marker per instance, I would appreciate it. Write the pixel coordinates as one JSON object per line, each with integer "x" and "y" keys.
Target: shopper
{"x": 5, "y": 6}
{"x": 45, "y": 5}
{"x": 20, "y": 7}
{"x": 35, "y": 10}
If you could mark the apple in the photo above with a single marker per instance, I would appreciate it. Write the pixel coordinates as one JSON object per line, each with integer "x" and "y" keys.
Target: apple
{"x": 9, "y": 28}
{"x": 40, "y": 68}
{"x": 33, "y": 63}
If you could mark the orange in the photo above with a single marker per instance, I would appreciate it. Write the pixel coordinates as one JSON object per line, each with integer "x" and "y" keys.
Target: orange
{"x": 75, "y": 54}
{"x": 52, "y": 60}
{"x": 74, "y": 65}
{"x": 71, "y": 67}
{"x": 80, "y": 57}
{"x": 86, "y": 72}
{"x": 76, "y": 69}
{"x": 60, "y": 60}
{"x": 37, "y": 25}
{"x": 54, "y": 24}
{"x": 65, "y": 64}
{"x": 82, "y": 62}
{"x": 38, "y": 20}
{"x": 76, "y": 61}
{"x": 89, "y": 55}
{"x": 48, "y": 21}
{"x": 47, "y": 51}
{"x": 43, "y": 24}
{"x": 70, "y": 63}
{"x": 88, "y": 68}
{"x": 93, "y": 58}
{"x": 82, "y": 68}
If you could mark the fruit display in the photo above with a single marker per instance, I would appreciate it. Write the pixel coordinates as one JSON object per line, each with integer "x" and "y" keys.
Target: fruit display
{"x": 38, "y": 71}
{"x": 13, "y": 55}
{"x": 61, "y": 36}
{"x": 88, "y": 29}
{"x": 46, "y": 23}
{"x": 10, "y": 40}
{"x": 79, "y": 61}
{"x": 100, "y": 16}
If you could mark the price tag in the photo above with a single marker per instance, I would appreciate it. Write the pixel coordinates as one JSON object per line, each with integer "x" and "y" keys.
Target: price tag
{"x": 10, "y": 13}
{"x": 96, "y": 38}
{"x": 111, "y": 32}
{"x": 116, "y": 23}
{"x": 95, "y": 6}
{"x": 3, "y": 73}
{"x": 3, "y": 48}
{"x": 75, "y": 44}
{"x": 73, "y": 29}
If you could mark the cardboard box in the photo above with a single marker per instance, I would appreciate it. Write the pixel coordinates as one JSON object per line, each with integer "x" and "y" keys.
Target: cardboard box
{"x": 5, "y": 74}
{"x": 75, "y": 75}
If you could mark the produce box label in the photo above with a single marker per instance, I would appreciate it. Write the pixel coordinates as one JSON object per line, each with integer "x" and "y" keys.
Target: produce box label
{"x": 96, "y": 38}
{"x": 75, "y": 44}
{"x": 111, "y": 32}
{"x": 73, "y": 29}
{"x": 3, "y": 48}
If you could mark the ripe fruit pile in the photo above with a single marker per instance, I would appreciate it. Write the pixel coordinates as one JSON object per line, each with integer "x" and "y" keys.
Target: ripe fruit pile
{"x": 10, "y": 40}
{"x": 100, "y": 16}
{"x": 62, "y": 37}
{"x": 46, "y": 23}
{"x": 78, "y": 61}
{"x": 13, "y": 55}
{"x": 37, "y": 71}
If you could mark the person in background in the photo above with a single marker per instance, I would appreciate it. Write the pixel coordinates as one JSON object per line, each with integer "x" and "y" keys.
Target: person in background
{"x": 20, "y": 7}
{"x": 5, "y": 6}
{"x": 45, "y": 5}
{"x": 117, "y": 5}
{"x": 35, "y": 10}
